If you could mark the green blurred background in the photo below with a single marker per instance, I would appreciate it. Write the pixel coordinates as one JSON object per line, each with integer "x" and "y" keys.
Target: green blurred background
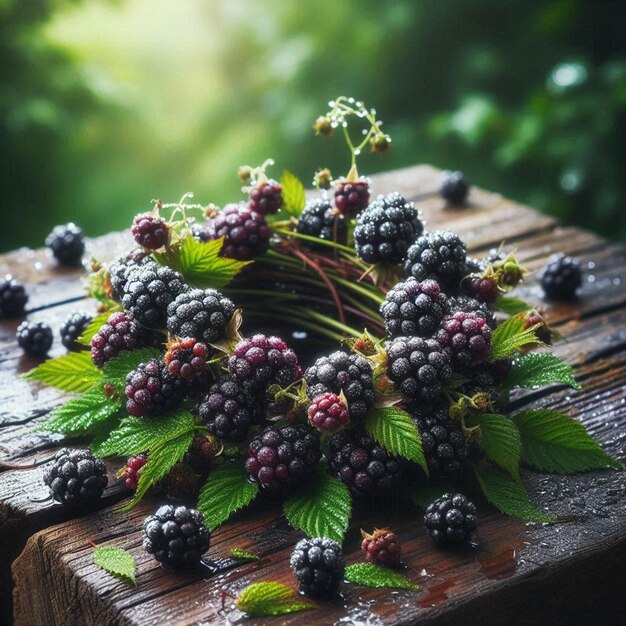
{"x": 105, "y": 105}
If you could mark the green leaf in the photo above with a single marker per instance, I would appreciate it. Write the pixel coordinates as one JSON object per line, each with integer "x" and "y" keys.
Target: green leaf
{"x": 510, "y": 336}
{"x": 294, "y": 198}
{"x": 240, "y": 553}
{"x": 116, "y": 370}
{"x": 80, "y": 415}
{"x": 94, "y": 326}
{"x": 199, "y": 262}
{"x": 500, "y": 440}
{"x": 74, "y": 371}
{"x": 371, "y": 575}
{"x": 511, "y": 306}
{"x": 554, "y": 442}
{"x": 268, "y": 598}
{"x": 394, "y": 429}
{"x": 538, "y": 370}
{"x": 322, "y": 508}
{"x": 160, "y": 461}
{"x": 138, "y": 434}
{"x": 116, "y": 561}
{"x": 226, "y": 491}
{"x": 507, "y": 495}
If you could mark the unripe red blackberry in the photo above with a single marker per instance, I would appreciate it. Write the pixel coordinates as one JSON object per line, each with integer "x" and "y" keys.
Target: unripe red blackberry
{"x": 73, "y": 327}
{"x": 13, "y": 297}
{"x": 67, "y": 244}
{"x": 454, "y": 188}
{"x": 439, "y": 255}
{"x": 467, "y": 304}
{"x": 187, "y": 359}
{"x": 133, "y": 469}
{"x": 328, "y": 412}
{"x": 483, "y": 288}
{"x": 266, "y": 197}
{"x": 382, "y": 547}
{"x": 351, "y": 197}
{"x": 35, "y": 338}
{"x": 466, "y": 337}
{"x": 150, "y": 231}
{"x": 246, "y": 233}
{"x": 450, "y": 520}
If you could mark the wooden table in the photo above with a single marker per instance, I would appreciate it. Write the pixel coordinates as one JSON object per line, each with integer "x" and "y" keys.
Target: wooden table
{"x": 571, "y": 572}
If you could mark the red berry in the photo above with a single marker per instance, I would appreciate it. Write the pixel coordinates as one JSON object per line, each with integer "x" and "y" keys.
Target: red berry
{"x": 186, "y": 358}
{"x": 482, "y": 288}
{"x": 150, "y": 231}
{"x": 351, "y": 197}
{"x": 328, "y": 412}
{"x": 245, "y": 231}
{"x": 134, "y": 466}
{"x": 466, "y": 337}
{"x": 382, "y": 547}
{"x": 266, "y": 198}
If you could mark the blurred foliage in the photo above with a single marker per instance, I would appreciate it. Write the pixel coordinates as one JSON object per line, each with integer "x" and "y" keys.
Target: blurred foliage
{"x": 106, "y": 105}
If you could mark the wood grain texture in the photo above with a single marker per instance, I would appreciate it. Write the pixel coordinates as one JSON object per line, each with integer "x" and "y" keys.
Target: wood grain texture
{"x": 518, "y": 574}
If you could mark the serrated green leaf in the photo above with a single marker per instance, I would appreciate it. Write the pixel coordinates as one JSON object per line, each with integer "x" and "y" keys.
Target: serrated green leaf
{"x": 81, "y": 415}
{"x": 372, "y": 575}
{"x": 139, "y": 434}
{"x": 74, "y": 371}
{"x": 511, "y": 305}
{"x": 268, "y": 598}
{"x": 538, "y": 370}
{"x": 501, "y": 441}
{"x": 116, "y": 370}
{"x": 510, "y": 336}
{"x": 507, "y": 495}
{"x": 160, "y": 461}
{"x": 240, "y": 553}
{"x": 394, "y": 429}
{"x": 322, "y": 508}
{"x": 294, "y": 198}
{"x": 116, "y": 561}
{"x": 94, "y": 326}
{"x": 227, "y": 490}
{"x": 554, "y": 442}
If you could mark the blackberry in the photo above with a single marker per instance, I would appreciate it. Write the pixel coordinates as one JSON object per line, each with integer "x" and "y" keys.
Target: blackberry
{"x": 67, "y": 244}
{"x": 328, "y": 412}
{"x": 204, "y": 231}
{"x": 483, "y": 388}
{"x": 266, "y": 197}
{"x": 363, "y": 465}
{"x": 202, "y": 314}
{"x": 35, "y": 338}
{"x": 73, "y": 327}
{"x": 320, "y": 220}
{"x": 176, "y": 536}
{"x": 121, "y": 332}
{"x": 180, "y": 483}
{"x": 227, "y": 411}
{"x": 543, "y": 332}
{"x": 386, "y": 229}
{"x": 246, "y": 233}
{"x": 467, "y": 304}
{"x": 413, "y": 308}
{"x": 420, "y": 367}
{"x": 118, "y": 271}
{"x": 466, "y": 337}
{"x": 202, "y": 453}
{"x": 133, "y": 469}
{"x": 473, "y": 266}
{"x": 341, "y": 372}
{"x": 262, "y": 361}
{"x": 451, "y": 519}
{"x": 13, "y": 297}
{"x": 318, "y": 565}
{"x": 148, "y": 292}
{"x": 281, "y": 458}
{"x": 150, "y": 231}
{"x": 187, "y": 359}
{"x": 351, "y": 197}
{"x": 443, "y": 442}
{"x": 76, "y": 478}
{"x": 561, "y": 277}
{"x": 152, "y": 390}
{"x": 454, "y": 188}
{"x": 439, "y": 255}
{"x": 382, "y": 547}
{"x": 482, "y": 288}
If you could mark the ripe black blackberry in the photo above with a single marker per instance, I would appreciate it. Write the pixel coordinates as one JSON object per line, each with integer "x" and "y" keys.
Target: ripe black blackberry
{"x": 266, "y": 197}
{"x": 328, "y": 412}
{"x": 320, "y": 220}
{"x": 561, "y": 277}
{"x": 482, "y": 387}
{"x": 73, "y": 327}
{"x": 419, "y": 367}
{"x": 451, "y": 519}
{"x": 118, "y": 270}
{"x": 454, "y": 188}
{"x": 466, "y": 337}
{"x": 13, "y": 297}
{"x": 132, "y": 470}
{"x": 67, "y": 244}
{"x": 150, "y": 231}
{"x": 467, "y": 304}
{"x": 281, "y": 458}
{"x": 76, "y": 478}
{"x": 352, "y": 197}
{"x": 35, "y": 338}
{"x": 363, "y": 465}
{"x": 200, "y": 313}
{"x": 339, "y": 372}
{"x": 152, "y": 390}
{"x": 414, "y": 308}
{"x": 386, "y": 229}
{"x": 176, "y": 536}
{"x": 439, "y": 255}
{"x": 187, "y": 359}
{"x": 318, "y": 565}
{"x": 261, "y": 361}
{"x": 382, "y": 547}
{"x": 148, "y": 292}
{"x": 246, "y": 233}
{"x": 443, "y": 441}
{"x": 227, "y": 410}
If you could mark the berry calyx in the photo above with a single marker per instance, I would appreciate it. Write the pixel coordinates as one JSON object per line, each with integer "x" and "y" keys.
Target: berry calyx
{"x": 381, "y": 547}
{"x": 328, "y": 412}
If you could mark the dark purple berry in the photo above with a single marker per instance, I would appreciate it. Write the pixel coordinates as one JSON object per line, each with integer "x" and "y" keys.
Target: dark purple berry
{"x": 150, "y": 231}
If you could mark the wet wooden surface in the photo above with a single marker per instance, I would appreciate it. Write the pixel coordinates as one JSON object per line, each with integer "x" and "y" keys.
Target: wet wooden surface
{"x": 571, "y": 572}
